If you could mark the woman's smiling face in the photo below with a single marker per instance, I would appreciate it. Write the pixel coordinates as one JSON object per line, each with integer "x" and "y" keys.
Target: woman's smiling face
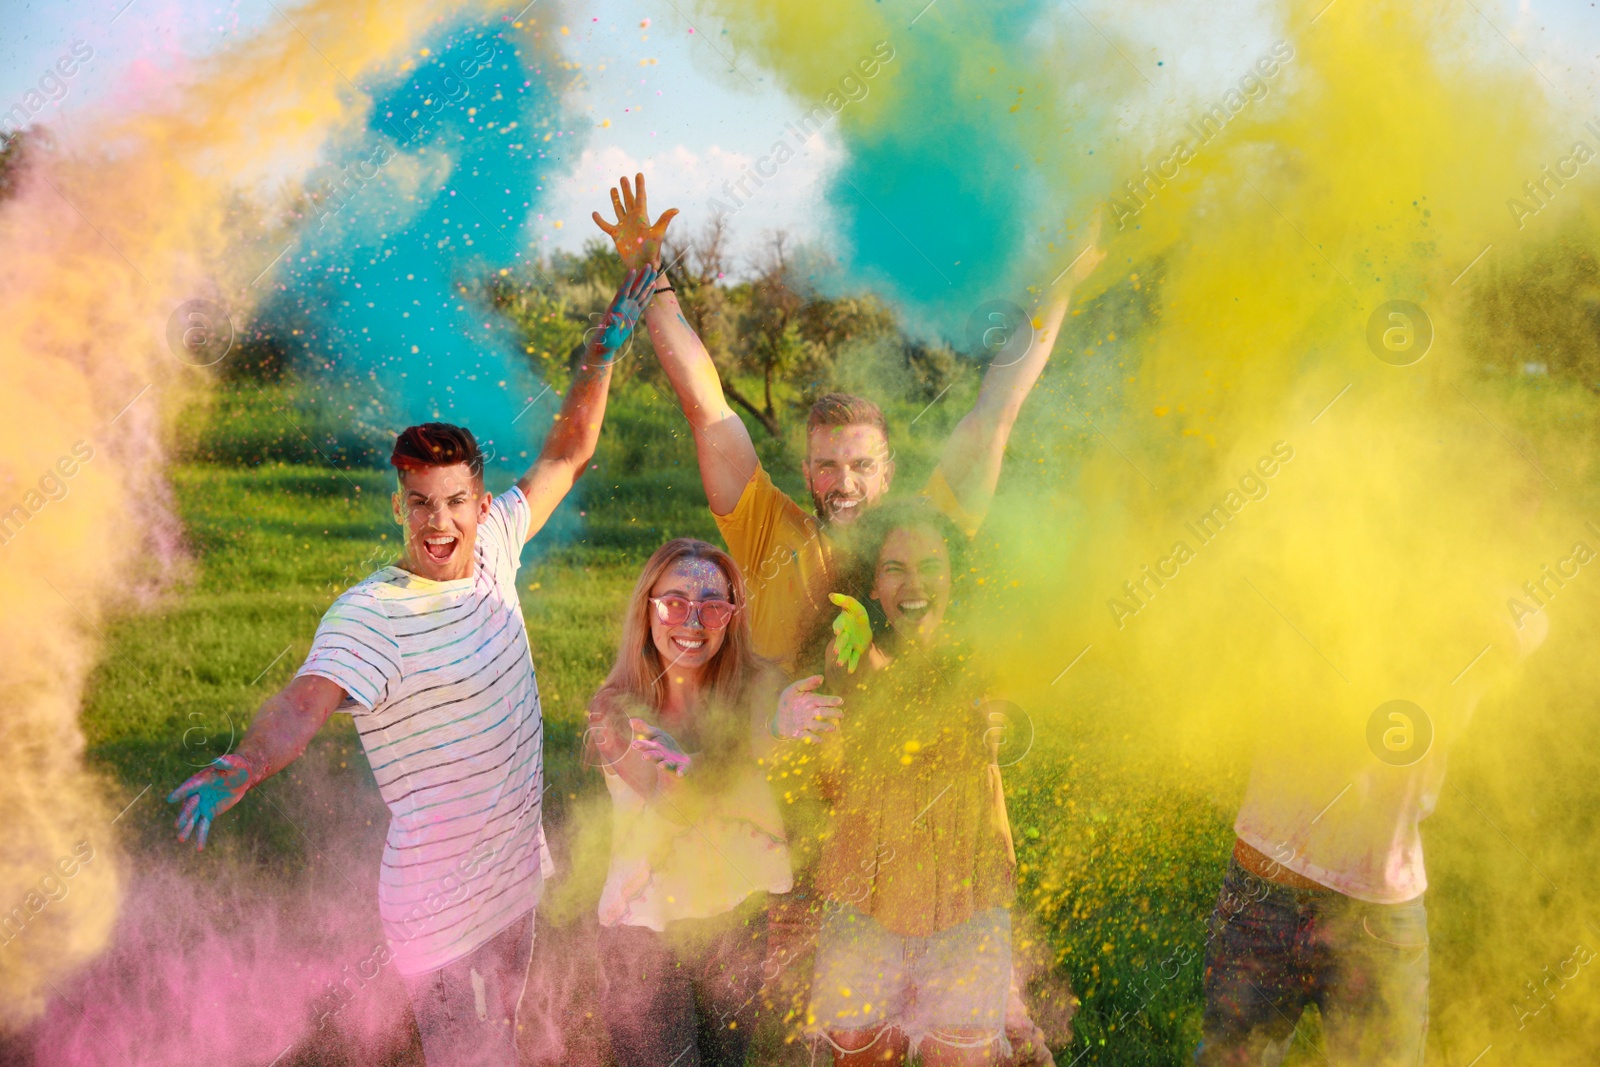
{"x": 912, "y": 581}
{"x": 690, "y": 645}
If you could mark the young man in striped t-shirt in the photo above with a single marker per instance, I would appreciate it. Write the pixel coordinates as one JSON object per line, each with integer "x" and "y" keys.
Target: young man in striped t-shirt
{"x": 430, "y": 655}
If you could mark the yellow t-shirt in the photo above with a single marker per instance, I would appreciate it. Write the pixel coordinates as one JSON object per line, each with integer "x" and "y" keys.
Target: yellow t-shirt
{"x": 785, "y": 557}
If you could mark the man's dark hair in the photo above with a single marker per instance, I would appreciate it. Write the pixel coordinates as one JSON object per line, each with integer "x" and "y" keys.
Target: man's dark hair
{"x": 843, "y": 409}
{"x": 436, "y": 444}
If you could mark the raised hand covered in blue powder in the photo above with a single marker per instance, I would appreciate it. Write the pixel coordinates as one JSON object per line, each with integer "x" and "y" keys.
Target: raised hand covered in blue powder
{"x": 620, "y": 318}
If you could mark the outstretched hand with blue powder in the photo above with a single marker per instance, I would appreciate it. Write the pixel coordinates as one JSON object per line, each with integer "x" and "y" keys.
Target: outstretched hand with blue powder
{"x": 208, "y": 794}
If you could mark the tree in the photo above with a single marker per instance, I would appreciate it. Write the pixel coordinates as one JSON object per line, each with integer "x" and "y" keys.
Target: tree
{"x": 14, "y": 152}
{"x": 770, "y": 342}
{"x": 700, "y": 269}
{"x": 551, "y": 330}
{"x": 789, "y": 333}
{"x": 768, "y": 327}
{"x": 930, "y": 367}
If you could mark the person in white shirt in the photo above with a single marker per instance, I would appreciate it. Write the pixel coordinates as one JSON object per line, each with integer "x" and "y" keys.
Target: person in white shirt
{"x": 430, "y": 655}
{"x": 681, "y": 727}
{"x": 1323, "y": 900}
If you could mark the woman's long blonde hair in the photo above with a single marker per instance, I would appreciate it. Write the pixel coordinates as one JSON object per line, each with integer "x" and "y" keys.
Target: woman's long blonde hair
{"x": 639, "y": 672}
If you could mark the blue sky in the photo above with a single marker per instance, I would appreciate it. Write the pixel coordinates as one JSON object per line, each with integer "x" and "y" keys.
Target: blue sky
{"x": 657, "y": 99}
{"x": 662, "y": 99}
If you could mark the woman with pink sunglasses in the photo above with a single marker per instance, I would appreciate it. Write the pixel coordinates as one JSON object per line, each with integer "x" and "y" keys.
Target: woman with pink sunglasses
{"x": 681, "y": 728}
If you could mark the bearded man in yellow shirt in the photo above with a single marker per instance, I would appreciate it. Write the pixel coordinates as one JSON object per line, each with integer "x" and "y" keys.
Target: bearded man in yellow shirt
{"x": 786, "y": 552}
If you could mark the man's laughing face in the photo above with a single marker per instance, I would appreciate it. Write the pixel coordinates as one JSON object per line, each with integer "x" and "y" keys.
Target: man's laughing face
{"x": 440, "y": 508}
{"x": 848, "y": 469}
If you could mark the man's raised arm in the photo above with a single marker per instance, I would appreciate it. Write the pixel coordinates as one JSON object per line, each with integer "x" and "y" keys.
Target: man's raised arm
{"x": 570, "y": 444}
{"x": 726, "y": 453}
{"x": 971, "y": 459}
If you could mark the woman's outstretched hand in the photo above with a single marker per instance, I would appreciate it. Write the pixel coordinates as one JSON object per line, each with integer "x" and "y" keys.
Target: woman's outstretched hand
{"x": 638, "y": 242}
{"x": 803, "y": 712}
{"x": 659, "y": 747}
{"x": 852, "y": 631}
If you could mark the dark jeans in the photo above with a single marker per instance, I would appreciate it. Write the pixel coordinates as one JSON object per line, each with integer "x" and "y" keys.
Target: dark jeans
{"x": 686, "y": 997}
{"x": 1274, "y": 950}
{"x": 467, "y": 1010}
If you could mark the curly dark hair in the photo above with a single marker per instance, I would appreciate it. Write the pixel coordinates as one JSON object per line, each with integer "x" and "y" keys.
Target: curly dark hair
{"x": 855, "y": 568}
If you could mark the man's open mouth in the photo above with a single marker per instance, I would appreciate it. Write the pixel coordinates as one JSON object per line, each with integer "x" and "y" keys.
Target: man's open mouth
{"x": 844, "y": 505}
{"x": 439, "y": 547}
{"x": 914, "y": 609}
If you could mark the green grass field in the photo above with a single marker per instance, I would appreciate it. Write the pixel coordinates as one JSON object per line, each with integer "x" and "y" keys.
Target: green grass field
{"x": 276, "y": 531}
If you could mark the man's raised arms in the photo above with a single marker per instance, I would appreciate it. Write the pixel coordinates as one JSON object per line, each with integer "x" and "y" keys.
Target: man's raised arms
{"x": 973, "y": 454}
{"x": 722, "y": 444}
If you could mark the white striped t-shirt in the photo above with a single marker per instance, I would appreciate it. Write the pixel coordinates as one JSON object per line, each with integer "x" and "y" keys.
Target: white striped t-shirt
{"x": 440, "y": 681}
